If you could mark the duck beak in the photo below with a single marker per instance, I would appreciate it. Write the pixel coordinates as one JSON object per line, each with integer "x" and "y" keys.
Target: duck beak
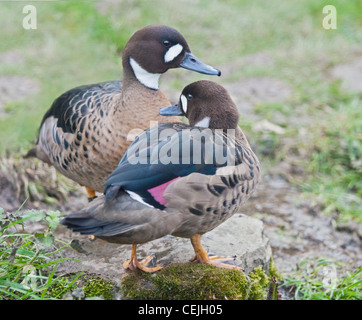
{"x": 170, "y": 111}
{"x": 190, "y": 62}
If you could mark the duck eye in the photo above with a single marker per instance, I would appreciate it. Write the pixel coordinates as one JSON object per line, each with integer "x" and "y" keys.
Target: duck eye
{"x": 166, "y": 43}
{"x": 189, "y": 96}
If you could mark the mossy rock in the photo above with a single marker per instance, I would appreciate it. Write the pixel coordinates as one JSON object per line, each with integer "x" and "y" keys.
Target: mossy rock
{"x": 194, "y": 281}
{"x": 98, "y": 287}
{"x": 86, "y": 287}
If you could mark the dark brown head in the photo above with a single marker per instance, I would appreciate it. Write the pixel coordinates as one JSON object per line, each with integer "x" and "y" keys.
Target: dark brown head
{"x": 206, "y": 104}
{"x": 154, "y": 49}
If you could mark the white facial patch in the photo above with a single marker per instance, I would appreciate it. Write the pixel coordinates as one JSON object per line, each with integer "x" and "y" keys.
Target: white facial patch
{"x": 173, "y": 52}
{"x": 184, "y": 103}
{"x": 150, "y": 80}
{"x": 204, "y": 123}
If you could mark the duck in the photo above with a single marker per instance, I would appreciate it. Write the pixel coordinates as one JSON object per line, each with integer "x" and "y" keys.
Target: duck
{"x": 88, "y": 129}
{"x": 177, "y": 179}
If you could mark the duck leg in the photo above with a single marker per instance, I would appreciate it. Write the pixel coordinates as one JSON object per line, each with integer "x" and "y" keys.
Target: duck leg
{"x": 134, "y": 264}
{"x": 91, "y": 196}
{"x": 91, "y": 193}
{"x": 203, "y": 257}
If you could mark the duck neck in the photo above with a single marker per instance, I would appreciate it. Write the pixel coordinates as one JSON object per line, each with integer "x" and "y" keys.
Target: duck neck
{"x": 134, "y": 72}
{"x": 136, "y": 95}
{"x": 139, "y": 102}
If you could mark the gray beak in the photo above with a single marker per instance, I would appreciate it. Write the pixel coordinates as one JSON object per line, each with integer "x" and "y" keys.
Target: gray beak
{"x": 190, "y": 62}
{"x": 170, "y": 111}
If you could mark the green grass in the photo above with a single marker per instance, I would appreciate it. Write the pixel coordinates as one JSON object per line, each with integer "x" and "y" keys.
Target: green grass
{"x": 329, "y": 150}
{"x": 75, "y": 44}
{"x": 336, "y": 160}
{"x": 72, "y": 46}
{"x": 318, "y": 280}
{"x": 28, "y": 262}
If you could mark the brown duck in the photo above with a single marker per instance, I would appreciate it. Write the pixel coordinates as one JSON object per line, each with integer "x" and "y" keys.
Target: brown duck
{"x": 177, "y": 179}
{"x": 86, "y": 131}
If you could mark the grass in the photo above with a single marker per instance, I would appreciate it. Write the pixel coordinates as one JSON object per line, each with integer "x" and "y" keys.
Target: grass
{"x": 336, "y": 161}
{"x": 27, "y": 263}
{"x": 329, "y": 151}
{"x": 74, "y": 45}
{"x": 63, "y": 38}
{"x": 318, "y": 280}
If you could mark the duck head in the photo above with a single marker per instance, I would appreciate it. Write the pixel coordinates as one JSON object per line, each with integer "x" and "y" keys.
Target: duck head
{"x": 154, "y": 49}
{"x": 206, "y": 104}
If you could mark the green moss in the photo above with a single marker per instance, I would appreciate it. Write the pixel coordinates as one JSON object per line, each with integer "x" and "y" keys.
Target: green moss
{"x": 258, "y": 282}
{"x": 96, "y": 287}
{"x": 193, "y": 281}
{"x": 60, "y": 286}
{"x": 92, "y": 287}
{"x": 273, "y": 271}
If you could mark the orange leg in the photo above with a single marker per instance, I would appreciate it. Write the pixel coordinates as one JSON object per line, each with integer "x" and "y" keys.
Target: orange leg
{"x": 203, "y": 257}
{"x": 91, "y": 192}
{"x": 91, "y": 196}
{"x": 134, "y": 264}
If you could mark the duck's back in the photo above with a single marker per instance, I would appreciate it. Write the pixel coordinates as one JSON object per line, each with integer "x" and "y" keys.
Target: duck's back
{"x": 76, "y": 104}
{"x": 205, "y": 175}
{"x": 76, "y": 136}
{"x": 88, "y": 129}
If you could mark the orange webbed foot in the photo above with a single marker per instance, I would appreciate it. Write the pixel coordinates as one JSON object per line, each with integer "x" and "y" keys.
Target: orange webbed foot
{"x": 202, "y": 256}
{"x": 134, "y": 264}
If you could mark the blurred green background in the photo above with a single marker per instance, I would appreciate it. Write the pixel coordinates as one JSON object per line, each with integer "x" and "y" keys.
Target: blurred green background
{"x": 80, "y": 42}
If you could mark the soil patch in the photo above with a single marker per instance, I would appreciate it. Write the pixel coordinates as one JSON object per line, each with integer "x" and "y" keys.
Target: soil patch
{"x": 250, "y": 91}
{"x": 350, "y": 73}
{"x": 298, "y": 230}
{"x": 15, "y": 88}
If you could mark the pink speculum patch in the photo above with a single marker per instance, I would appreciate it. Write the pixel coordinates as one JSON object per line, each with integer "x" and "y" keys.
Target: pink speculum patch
{"x": 157, "y": 192}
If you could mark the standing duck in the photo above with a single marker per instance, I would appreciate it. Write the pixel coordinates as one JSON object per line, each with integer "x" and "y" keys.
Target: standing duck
{"x": 176, "y": 179}
{"x": 84, "y": 134}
